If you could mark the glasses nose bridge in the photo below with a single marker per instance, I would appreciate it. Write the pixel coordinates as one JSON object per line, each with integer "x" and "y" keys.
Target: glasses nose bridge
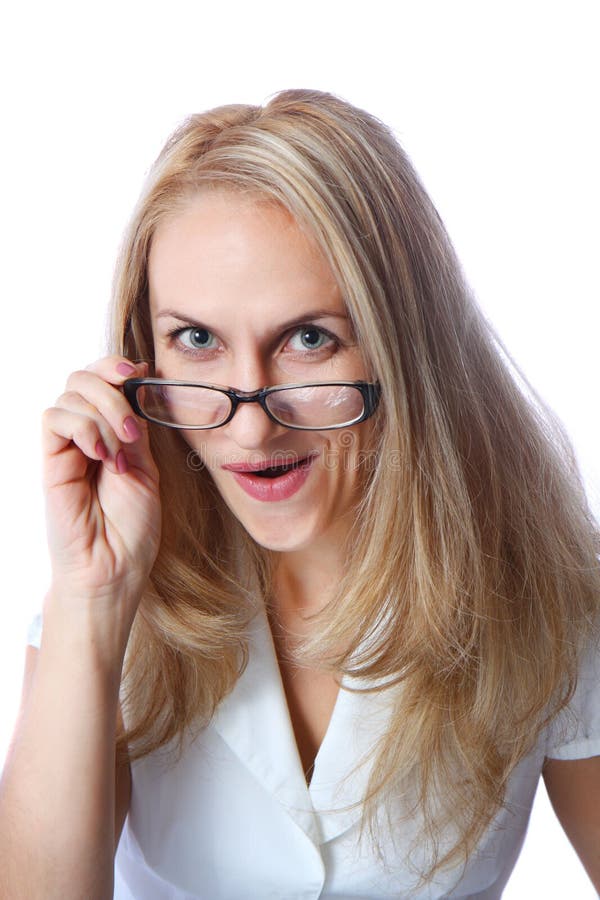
{"x": 247, "y": 396}
{"x": 237, "y": 397}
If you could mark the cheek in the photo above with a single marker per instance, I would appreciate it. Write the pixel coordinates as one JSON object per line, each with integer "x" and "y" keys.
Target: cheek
{"x": 352, "y": 454}
{"x": 165, "y": 367}
{"x": 201, "y": 448}
{"x": 344, "y": 449}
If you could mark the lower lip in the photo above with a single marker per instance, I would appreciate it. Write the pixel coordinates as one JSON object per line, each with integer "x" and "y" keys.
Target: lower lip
{"x": 272, "y": 489}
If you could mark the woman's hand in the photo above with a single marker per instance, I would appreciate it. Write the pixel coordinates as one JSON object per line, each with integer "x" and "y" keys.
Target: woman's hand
{"x": 101, "y": 485}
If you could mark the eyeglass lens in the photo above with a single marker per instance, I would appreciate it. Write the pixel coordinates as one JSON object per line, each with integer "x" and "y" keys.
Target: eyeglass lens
{"x": 313, "y": 406}
{"x": 309, "y": 407}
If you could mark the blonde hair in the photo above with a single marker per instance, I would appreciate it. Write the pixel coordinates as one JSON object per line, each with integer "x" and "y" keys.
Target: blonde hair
{"x": 472, "y": 575}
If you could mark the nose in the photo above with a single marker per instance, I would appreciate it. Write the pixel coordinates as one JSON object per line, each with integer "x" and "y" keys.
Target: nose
{"x": 251, "y": 428}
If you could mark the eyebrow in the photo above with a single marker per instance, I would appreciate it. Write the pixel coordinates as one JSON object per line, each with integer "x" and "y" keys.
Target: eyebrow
{"x": 311, "y": 315}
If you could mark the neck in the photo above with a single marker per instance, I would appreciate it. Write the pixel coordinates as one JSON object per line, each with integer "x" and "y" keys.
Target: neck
{"x": 305, "y": 580}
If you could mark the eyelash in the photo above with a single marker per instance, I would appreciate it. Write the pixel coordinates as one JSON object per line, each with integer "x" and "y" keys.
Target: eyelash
{"x": 176, "y": 333}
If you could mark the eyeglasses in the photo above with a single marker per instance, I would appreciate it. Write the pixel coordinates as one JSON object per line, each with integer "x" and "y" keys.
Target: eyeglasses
{"x": 309, "y": 407}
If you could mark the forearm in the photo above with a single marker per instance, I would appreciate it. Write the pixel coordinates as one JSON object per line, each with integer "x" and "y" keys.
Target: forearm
{"x": 57, "y": 795}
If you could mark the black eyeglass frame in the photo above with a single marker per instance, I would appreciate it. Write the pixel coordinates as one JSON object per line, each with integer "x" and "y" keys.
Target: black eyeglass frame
{"x": 370, "y": 391}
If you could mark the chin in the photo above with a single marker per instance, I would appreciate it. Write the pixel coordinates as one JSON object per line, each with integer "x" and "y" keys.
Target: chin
{"x": 283, "y": 539}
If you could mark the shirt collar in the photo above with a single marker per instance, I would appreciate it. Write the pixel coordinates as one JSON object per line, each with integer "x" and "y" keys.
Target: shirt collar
{"x": 254, "y": 721}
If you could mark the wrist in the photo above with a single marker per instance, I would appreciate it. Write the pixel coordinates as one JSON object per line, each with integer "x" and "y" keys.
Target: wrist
{"x": 95, "y": 627}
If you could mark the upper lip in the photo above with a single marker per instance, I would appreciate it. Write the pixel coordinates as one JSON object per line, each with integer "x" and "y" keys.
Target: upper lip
{"x": 279, "y": 460}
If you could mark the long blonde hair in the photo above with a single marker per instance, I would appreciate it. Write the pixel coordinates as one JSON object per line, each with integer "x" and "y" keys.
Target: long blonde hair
{"x": 472, "y": 575}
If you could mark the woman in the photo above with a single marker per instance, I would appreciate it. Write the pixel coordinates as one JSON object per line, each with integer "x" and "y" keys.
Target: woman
{"x": 358, "y": 610}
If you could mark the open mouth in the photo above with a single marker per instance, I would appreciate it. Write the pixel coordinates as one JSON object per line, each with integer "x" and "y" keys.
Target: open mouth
{"x": 275, "y": 482}
{"x": 276, "y": 471}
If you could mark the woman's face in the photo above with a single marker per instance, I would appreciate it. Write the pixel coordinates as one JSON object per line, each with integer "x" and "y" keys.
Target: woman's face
{"x": 240, "y": 297}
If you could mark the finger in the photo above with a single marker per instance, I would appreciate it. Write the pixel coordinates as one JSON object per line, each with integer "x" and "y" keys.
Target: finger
{"x": 73, "y": 402}
{"x": 110, "y": 403}
{"x": 117, "y": 369}
{"x": 62, "y": 427}
{"x": 135, "y": 454}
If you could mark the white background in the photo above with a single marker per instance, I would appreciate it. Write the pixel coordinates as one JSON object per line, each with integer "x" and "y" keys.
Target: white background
{"x": 496, "y": 103}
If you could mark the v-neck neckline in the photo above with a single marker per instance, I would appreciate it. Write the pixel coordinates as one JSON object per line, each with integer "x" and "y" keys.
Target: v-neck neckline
{"x": 309, "y": 736}
{"x": 255, "y": 721}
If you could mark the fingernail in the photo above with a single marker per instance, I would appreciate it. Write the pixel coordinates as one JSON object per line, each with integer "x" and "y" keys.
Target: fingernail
{"x": 125, "y": 368}
{"x": 121, "y": 462}
{"x": 101, "y": 450}
{"x": 131, "y": 428}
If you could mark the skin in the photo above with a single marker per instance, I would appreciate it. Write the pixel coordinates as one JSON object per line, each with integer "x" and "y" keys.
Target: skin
{"x": 243, "y": 270}
{"x": 63, "y": 799}
{"x": 573, "y": 787}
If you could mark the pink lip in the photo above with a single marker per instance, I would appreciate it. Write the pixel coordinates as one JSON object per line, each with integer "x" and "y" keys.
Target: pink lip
{"x": 271, "y": 489}
{"x": 264, "y": 464}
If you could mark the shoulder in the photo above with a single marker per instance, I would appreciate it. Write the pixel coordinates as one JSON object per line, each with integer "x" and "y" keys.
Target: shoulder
{"x": 575, "y": 732}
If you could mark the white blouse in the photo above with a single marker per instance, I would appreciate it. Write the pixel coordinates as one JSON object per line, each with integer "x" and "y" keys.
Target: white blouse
{"x": 233, "y": 818}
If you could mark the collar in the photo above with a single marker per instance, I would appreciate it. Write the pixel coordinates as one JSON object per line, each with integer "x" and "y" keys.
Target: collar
{"x": 254, "y": 721}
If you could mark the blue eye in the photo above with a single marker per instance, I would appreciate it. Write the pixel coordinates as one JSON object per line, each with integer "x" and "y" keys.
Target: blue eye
{"x": 312, "y": 338}
{"x": 199, "y": 337}
{"x": 195, "y": 338}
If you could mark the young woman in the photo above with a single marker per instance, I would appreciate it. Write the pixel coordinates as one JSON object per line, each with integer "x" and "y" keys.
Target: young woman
{"x": 325, "y": 586}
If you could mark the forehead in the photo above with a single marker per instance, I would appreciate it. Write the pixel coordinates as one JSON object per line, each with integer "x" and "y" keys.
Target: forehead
{"x": 222, "y": 247}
